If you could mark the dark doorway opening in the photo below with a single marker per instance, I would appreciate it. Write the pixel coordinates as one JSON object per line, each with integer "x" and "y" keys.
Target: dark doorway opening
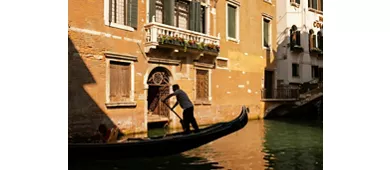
{"x": 158, "y": 112}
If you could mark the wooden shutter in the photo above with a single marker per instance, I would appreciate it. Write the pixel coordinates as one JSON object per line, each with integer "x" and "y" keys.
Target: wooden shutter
{"x": 110, "y": 11}
{"x": 292, "y": 39}
{"x": 322, "y": 6}
{"x": 125, "y": 85}
{"x": 114, "y": 82}
{"x": 310, "y": 3}
{"x": 152, "y": 9}
{"x": 132, "y": 13}
{"x": 169, "y": 7}
{"x": 266, "y": 32}
{"x": 298, "y": 1}
{"x": 192, "y": 15}
{"x": 202, "y": 85}
{"x": 198, "y": 13}
{"x": 320, "y": 45}
{"x": 314, "y": 41}
{"x": 315, "y": 5}
{"x": 120, "y": 82}
{"x": 231, "y": 21}
{"x": 310, "y": 41}
{"x": 298, "y": 37}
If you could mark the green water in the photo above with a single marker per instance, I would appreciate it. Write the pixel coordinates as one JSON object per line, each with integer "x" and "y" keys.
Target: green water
{"x": 262, "y": 144}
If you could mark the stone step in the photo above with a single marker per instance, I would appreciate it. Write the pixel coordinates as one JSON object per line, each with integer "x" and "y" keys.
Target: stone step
{"x": 157, "y": 118}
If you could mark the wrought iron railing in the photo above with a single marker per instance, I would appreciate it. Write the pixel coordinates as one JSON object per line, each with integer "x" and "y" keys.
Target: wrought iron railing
{"x": 311, "y": 85}
{"x": 283, "y": 93}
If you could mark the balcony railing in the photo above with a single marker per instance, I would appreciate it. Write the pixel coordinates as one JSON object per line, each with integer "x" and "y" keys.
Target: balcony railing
{"x": 154, "y": 30}
{"x": 280, "y": 94}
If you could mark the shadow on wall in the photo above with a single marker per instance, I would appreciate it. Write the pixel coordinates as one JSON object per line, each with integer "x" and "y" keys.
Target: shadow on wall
{"x": 84, "y": 115}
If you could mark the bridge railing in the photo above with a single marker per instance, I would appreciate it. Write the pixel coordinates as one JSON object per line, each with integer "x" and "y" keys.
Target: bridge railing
{"x": 281, "y": 93}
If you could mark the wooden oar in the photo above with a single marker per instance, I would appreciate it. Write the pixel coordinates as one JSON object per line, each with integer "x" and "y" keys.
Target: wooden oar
{"x": 181, "y": 120}
{"x": 172, "y": 111}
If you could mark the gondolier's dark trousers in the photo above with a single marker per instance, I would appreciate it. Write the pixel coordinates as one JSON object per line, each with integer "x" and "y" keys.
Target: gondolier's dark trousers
{"x": 188, "y": 117}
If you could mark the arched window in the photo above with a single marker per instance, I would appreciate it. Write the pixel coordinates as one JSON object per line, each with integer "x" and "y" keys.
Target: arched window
{"x": 320, "y": 40}
{"x": 312, "y": 40}
{"x": 295, "y": 37}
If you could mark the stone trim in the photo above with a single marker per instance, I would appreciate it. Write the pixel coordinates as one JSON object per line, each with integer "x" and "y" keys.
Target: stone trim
{"x": 120, "y": 56}
{"x": 204, "y": 65}
{"x": 124, "y": 104}
{"x": 126, "y": 59}
{"x": 164, "y": 61}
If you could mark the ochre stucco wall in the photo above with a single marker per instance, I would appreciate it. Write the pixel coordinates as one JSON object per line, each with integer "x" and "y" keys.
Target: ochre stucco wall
{"x": 231, "y": 88}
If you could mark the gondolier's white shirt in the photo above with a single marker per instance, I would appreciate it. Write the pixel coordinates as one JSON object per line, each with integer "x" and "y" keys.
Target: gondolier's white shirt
{"x": 183, "y": 99}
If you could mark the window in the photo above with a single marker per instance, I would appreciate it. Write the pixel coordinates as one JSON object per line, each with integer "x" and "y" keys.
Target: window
{"x": 232, "y": 21}
{"x": 312, "y": 40}
{"x": 295, "y": 70}
{"x": 316, "y": 4}
{"x": 119, "y": 82}
{"x": 297, "y": 2}
{"x": 222, "y": 63}
{"x": 315, "y": 41}
{"x": 295, "y": 36}
{"x": 266, "y": 33}
{"x": 320, "y": 40}
{"x": 179, "y": 13}
{"x": 202, "y": 85}
{"x": 122, "y": 14}
{"x": 315, "y": 72}
{"x": 320, "y": 70}
{"x": 159, "y": 7}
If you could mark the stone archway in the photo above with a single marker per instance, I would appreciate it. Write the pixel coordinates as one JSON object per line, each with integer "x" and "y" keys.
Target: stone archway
{"x": 159, "y": 85}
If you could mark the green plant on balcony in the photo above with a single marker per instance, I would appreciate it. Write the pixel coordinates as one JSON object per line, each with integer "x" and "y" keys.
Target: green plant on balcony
{"x": 178, "y": 41}
{"x": 200, "y": 46}
{"x": 316, "y": 50}
{"x": 296, "y": 48}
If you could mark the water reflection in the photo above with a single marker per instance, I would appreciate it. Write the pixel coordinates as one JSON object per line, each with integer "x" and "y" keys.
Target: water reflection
{"x": 262, "y": 144}
{"x": 293, "y": 145}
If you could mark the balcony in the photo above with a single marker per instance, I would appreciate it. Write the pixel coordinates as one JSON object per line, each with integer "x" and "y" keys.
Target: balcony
{"x": 158, "y": 33}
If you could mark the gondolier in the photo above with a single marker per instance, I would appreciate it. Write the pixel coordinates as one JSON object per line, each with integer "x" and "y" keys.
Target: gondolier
{"x": 186, "y": 105}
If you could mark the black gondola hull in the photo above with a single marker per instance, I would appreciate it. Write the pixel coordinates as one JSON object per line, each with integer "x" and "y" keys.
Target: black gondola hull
{"x": 158, "y": 146}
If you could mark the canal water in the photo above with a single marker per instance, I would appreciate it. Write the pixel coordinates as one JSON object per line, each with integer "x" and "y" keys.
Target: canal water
{"x": 261, "y": 144}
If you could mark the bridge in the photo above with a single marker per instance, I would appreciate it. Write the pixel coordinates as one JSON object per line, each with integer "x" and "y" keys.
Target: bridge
{"x": 285, "y": 100}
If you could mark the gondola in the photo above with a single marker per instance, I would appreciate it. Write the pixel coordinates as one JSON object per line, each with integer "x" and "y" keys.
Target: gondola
{"x": 156, "y": 146}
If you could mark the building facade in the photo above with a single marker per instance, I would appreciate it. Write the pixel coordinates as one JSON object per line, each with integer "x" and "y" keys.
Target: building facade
{"x": 124, "y": 55}
{"x": 300, "y": 47}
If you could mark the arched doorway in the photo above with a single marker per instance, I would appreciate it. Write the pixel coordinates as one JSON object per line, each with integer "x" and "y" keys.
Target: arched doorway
{"x": 158, "y": 82}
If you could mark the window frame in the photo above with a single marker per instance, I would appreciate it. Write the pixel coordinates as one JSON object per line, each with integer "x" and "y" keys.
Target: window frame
{"x": 295, "y": 32}
{"x": 177, "y": 11}
{"x": 123, "y": 58}
{"x": 237, "y": 26}
{"x": 107, "y": 22}
{"x": 297, "y": 70}
{"x": 269, "y": 32}
{"x": 224, "y": 59}
{"x": 318, "y": 8}
{"x": 313, "y": 72}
